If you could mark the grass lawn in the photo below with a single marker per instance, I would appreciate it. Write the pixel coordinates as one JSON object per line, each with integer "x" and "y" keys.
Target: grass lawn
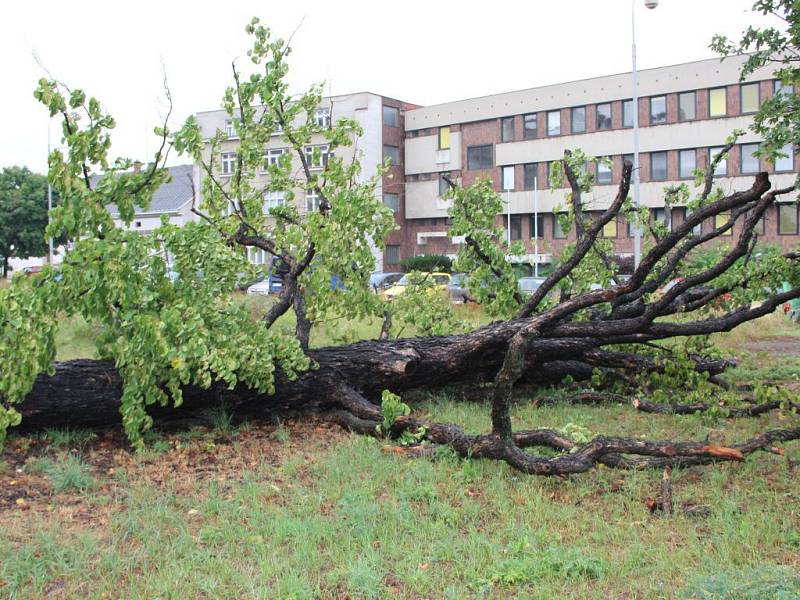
{"x": 305, "y": 510}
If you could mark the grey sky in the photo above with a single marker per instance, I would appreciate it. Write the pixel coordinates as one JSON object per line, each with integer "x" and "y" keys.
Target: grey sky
{"x": 422, "y": 52}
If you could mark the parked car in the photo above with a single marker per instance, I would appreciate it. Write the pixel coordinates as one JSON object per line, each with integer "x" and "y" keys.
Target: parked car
{"x": 273, "y": 280}
{"x": 457, "y": 288}
{"x": 528, "y": 285}
{"x": 440, "y": 281}
{"x": 381, "y": 281}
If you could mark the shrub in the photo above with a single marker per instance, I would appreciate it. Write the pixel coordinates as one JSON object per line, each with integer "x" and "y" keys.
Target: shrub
{"x": 427, "y": 263}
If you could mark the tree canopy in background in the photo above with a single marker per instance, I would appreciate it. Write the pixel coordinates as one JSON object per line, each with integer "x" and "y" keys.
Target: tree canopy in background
{"x": 23, "y": 214}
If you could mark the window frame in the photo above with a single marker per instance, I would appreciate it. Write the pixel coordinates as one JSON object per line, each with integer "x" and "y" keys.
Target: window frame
{"x": 597, "y": 123}
{"x": 443, "y": 136}
{"x": 386, "y": 195}
{"x": 322, "y": 117}
{"x": 526, "y": 167}
{"x": 572, "y": 120}
{"x": 475, "y": 149}
{"x": 681, "y": 95}
{"x": 652, "y": 120}
{"x": 724, "y": 91}
{"x": 625, "y": 112}
{"x": 272, "y": 156}
{"x": 750, "y": 85}
{"x": 714, "y": 150}
{"x": 389, "y": 252}
{"x": 796, "y": 219}
{"x": 557, "y": 113}
{"x": 507, "y": 169}
{"x": 720, "y": 219}
{"x": 680, "y": 163}
{"x": 525, "y": 129}
{"x": 742, "y": 159}
{"x": 504, "y": 121}
{"x": 515, "y": 220}
{"x": 392, "y": 162}
{"x": 227, "y": 165}
{"x": 323, "y": 156}
{"x": 557, "y": 228}
{"x": 666, "y": 165}
{"x": 230, "y": 129}
{"x": 610, "y": 172}
{"x": 537, "y": 231}
{"x": 393, "y": 110}
{"x": 443, "y": 182}
{"x": 667, "y": 216}
{"x": 612, "y": 223}
{"x": 789, "y": 157}
{"x": 273, "y": 199}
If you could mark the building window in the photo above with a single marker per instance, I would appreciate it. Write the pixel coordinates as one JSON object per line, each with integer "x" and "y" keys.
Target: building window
{"x": 391, "y": 116}
{"x": 687, "y": 162}
{"x": 316, "y": 156}
{"x": 658, "y": 110}
{"x": 717, "y": 102}
{"x": 662, "y": 215}
{"x": 778, "y": 87}
{"x": 686, "y": 106}
{"x": 749, "y": 161}
{"x": 627, "y": 113}
{"x": 658, "y": 166}
{"x": 393, "y": 154}
{"x": 603, "y": 172}
{"x": 604, "y": 116}
{"x": 516, "y": 227}
{"x": 579, "y": 119}
{"x": 697, "y": 229}
{"x": 507, "y": 129}
{"x": 720, "y": 219}
{"x": 312, "y": 201}
{"x": 554, "y": 122}
{"x": 390, "y": 200}
{"x": 610, "y": 228}
{"x": 230, "y": 128}
{"x": 722, "y": 166}
{"x": 479, "y": 157}
{"x": 558, "y": 232}
{"x": 530, "y": 126}
{"x": 444, "y": 138}
{"x": 749, "y": 97}
{"x": 273, "y": 199}
{"x": 785, "y": 163}
{"x": 787, "y": 219}
{"x": 272, "y": 156}
{"x": 322, "y": 117}
{"x": 537, "y": 226}
{"x": 530, "y": 176}
{"x": 392, "y": 255}
{"x": 228, "y": 162}
{"x": 444, "y": 187}
{"x": 508, "y": 178}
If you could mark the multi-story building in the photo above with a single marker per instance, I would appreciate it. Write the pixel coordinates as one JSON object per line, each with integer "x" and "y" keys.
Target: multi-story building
{"x": 685, "y": 113}
{"x": 381, "y": 119}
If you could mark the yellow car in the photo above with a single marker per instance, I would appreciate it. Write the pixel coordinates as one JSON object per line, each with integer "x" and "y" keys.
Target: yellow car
{"x": 440, "y": 281}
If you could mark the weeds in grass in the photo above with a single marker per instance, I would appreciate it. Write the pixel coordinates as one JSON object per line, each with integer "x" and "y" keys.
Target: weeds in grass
{"x": 68, "y": 438}
{"x": 67, "y": 473}
{"x": 281, "y": 434}
{"x": 769, "y": 582}
{"x": 222, "y": 420}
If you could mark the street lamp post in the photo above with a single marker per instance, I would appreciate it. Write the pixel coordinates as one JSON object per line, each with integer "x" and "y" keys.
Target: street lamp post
{"x": 49, "y": 198}
{"x": 637, "y": 233}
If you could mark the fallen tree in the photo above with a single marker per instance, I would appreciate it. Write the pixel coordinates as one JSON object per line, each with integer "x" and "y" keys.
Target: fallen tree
{"x": 186, "y": 343}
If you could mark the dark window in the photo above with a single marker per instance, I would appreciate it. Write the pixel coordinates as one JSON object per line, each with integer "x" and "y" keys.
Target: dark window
{"x": 749, "y": 97}
{"x": 392, "y": 201}
{"x": 479, "y": 157}
{"x": 627, "y": 113}
{"x": 507, "y": 129}
{"x": 662, "y": 215}
{"x": 604, "y": 116}
{"x": 393, "y": 154}
{"x": 530, "y": 126}
{"x": 603, "y": 172}
{"x": 392, "y": 255}
{"x": 554, "y": 122}
{"x": 787, "y": 219}
{"x": 579, "y": 119}
{"x": 658, "y": 110}
{"x": 658, "y": 166}
{"x": 687, "y": 162}
{"x": 530, "y": 177}
{"x": 686, "y": 106}
{"x": 444, "y": 187}
{"x": 537, "y": 226}
{"x": 748, "y": 161}
{"x": 516, "y": 227}
{"x": 391, "y": 116}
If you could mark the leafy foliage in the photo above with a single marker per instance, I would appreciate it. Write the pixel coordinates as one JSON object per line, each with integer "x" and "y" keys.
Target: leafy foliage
{"x": 23, "y": 214}
{"x": 429, "y": 263}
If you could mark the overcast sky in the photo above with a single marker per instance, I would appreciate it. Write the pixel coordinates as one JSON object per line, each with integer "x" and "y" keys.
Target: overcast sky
{"x": 420, "y": 51}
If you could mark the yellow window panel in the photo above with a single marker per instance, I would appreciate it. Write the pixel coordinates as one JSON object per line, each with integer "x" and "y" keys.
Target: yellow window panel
{"x": 444, "y": 138}
{"x": 717, "y": 103}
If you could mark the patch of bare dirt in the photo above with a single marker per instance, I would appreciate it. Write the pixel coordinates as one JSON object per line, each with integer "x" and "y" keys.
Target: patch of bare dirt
{"x": 786, "y": 345}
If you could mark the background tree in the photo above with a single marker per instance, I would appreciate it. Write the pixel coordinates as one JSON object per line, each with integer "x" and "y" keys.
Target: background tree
{"x": 23, "y": 214}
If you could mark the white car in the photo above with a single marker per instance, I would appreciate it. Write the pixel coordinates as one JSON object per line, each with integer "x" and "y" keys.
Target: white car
{"x": 261, "y": 288}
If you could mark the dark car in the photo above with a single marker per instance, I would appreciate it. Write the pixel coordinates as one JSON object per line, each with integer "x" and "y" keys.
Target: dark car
{"x": 381, "y": 281}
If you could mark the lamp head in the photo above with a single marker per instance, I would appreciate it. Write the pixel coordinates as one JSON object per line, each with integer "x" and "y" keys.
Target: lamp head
{"x": 651, "y": 4}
